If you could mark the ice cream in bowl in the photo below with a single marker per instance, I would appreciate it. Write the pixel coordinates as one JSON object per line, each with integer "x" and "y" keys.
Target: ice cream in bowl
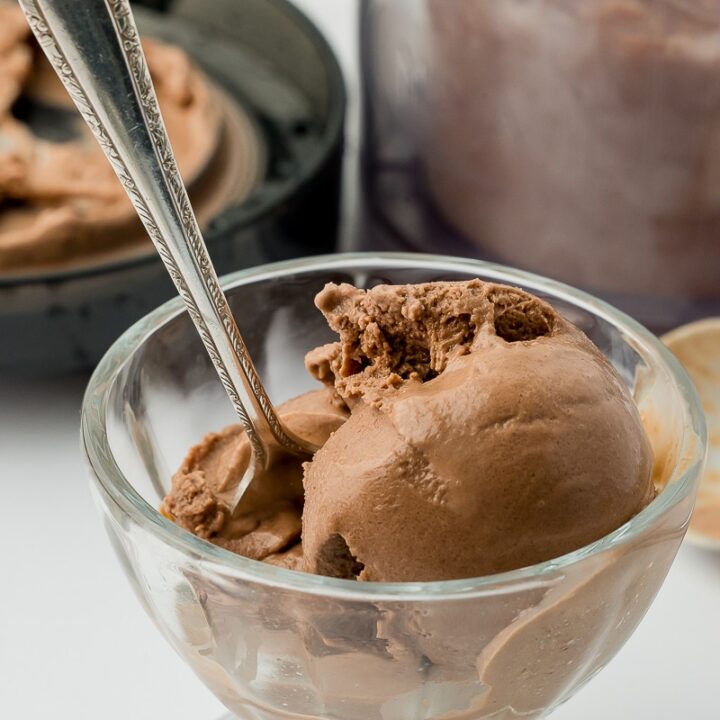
{"x": 507, "y": 468}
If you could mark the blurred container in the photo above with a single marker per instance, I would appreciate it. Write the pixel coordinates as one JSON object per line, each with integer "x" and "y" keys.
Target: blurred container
{"x": 578, "y": 139}
{"x": 270, "y": 63}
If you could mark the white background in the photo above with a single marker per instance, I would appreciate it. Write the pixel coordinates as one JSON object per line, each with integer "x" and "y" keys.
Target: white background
{"x": 75, "y": 644}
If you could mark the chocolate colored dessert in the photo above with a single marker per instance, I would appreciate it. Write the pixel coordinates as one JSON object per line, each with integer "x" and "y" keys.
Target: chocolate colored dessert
{"x": 466, "y": 429}
{"x": 60, "y": 200}
{"x": 579, "y": 139}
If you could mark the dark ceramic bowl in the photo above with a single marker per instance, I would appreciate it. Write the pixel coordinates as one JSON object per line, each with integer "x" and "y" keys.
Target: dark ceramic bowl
{"x": 271, "y": 60}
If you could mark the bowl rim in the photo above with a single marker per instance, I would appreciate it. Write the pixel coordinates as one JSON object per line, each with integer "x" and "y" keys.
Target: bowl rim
{"x": 116, "y": 489}
{"x": 324, "y": 150}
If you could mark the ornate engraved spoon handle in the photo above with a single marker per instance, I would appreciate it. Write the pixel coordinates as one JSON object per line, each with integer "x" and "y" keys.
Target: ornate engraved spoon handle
{"x": 95, "y": 49}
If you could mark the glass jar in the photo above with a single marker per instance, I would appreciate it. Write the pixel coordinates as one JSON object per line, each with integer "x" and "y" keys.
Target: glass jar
{"x": 578, "y": 139}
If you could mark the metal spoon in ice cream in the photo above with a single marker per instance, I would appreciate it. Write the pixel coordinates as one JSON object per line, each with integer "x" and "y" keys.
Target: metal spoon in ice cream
{"x": 94, "y": 47}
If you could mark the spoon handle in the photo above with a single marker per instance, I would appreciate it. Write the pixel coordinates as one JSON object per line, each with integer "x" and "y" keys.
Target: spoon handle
{"x": 94, "y": 47}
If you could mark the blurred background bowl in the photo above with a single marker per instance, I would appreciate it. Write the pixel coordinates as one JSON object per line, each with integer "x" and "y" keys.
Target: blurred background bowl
{"x": 281, "y": 94}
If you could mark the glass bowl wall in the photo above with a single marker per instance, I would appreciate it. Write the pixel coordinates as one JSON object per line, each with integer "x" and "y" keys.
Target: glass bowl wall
{"x": 272, "y": 643}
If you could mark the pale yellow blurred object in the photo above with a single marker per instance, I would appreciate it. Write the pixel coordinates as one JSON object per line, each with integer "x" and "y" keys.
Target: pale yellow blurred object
{"x": 697, "y": 346}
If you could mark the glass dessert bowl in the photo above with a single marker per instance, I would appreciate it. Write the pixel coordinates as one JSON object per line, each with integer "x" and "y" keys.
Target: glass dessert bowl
{"x": 273, "y": 643}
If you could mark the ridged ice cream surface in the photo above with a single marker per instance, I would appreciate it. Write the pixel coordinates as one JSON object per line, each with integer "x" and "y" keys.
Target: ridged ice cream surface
{"x": 467, "y": 428}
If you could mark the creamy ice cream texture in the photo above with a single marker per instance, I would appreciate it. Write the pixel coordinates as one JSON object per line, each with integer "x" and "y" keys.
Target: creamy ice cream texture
{"x": 268, "y": 523}
{"x": 466, "y": 428}
{"x": 578, "y": 139}
{"x": 61, "y": 200}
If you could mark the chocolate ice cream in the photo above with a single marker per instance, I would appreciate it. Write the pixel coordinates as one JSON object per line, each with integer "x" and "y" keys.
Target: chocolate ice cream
{"x": 467, "y": 429}
{"x": 267, "y": 523}
{"x": 579, "y": 139}
{"x": 500, "y": 436}
{"x": 60, "y": 200}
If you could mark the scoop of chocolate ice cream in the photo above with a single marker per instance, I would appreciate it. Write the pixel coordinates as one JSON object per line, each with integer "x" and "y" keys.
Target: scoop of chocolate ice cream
{"x": 487, "y": 433}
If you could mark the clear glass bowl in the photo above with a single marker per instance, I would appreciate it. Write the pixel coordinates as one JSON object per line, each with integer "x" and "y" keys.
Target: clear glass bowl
{"x": 272, "y": 643}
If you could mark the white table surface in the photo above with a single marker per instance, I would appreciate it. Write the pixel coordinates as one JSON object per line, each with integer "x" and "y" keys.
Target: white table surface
{"x": 75, "y": 644}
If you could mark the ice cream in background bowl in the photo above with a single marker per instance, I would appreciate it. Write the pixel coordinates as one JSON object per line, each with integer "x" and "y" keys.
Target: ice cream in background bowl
{"x": 272, "y": 642}
{"x": 61, "y": 205}
{"x": 592, "y": 126}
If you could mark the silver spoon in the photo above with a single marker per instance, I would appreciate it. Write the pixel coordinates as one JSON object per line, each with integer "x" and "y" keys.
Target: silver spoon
{"x": 94, "y": 47}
